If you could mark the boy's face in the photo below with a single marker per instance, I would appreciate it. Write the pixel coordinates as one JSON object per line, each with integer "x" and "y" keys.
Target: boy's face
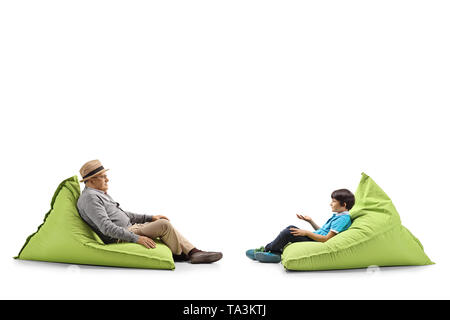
{"x": 336, "y": 206}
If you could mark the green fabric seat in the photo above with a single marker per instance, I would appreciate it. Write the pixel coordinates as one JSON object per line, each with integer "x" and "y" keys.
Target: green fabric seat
{"x": 65, "y": 237}
{"x": 375, "y": 238}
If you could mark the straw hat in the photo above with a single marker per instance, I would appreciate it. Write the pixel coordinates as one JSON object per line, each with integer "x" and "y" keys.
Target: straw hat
{"x": 91, "y": 169}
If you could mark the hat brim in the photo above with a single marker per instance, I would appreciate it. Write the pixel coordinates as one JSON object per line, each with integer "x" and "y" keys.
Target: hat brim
{"x": 94, "y": 175}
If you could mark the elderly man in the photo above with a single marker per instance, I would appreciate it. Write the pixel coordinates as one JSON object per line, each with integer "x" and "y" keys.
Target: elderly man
{"x": 113, "y": 224}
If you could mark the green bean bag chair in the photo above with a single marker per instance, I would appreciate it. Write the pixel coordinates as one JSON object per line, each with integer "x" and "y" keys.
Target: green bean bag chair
{"x": 375, "y": 238}
{"x": 65, "y": 237}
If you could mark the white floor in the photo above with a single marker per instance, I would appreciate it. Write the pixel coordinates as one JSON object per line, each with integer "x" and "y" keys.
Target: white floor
{"x": 235, "y": 277}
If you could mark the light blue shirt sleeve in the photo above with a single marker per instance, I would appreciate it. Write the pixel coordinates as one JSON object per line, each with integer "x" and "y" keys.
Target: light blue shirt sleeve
{"x": 340, "y": 224}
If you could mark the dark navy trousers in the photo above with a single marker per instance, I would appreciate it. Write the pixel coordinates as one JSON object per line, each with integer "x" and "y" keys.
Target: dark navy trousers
{"x": 285, "y": 236}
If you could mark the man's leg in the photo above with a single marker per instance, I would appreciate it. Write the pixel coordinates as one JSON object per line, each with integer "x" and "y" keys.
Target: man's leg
{"x": 163, "y": 229}
{"x": 186, "y": 246}
{"x": 181, "y": 248}
{"x": 285, "y": 236}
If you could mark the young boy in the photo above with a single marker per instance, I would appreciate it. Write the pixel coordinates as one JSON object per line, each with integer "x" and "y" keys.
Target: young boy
{"x": 342, "y": 200}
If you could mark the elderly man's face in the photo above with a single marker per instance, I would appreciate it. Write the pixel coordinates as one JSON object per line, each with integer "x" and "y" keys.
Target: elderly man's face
{"x": 99, "y": 182}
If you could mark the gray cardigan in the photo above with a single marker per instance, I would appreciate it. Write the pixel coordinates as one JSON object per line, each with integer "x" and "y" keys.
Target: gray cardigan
{"x": 106, "y": 218}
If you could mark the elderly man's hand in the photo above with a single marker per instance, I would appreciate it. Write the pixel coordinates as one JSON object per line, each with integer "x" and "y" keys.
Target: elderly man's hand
{"x": 146, "y": 242}
{"x": 154, "y": 218}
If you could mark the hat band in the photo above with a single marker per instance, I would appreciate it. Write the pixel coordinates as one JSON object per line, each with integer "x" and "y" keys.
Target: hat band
{"x": 93, "y": 172}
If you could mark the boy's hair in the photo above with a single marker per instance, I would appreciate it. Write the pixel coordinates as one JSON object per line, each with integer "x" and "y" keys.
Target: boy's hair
{"x": 344, "y": 196}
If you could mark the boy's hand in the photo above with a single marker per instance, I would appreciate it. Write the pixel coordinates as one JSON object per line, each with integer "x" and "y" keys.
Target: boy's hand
{"x": 298, "y": 232}
{"x": 306, "y": 218}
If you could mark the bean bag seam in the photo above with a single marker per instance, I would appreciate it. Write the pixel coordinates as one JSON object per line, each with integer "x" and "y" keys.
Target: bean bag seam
{"x": 58, "y": 190}
{"x": 94, "y": 246}
{"x": 343, "y": 249}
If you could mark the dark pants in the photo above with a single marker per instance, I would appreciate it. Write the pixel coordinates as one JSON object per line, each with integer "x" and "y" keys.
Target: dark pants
{"x": 285, "y": 237}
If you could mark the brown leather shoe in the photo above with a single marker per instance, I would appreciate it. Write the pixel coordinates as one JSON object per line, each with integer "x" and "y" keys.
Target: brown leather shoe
{"x": 205, "y": 257}
{"x": 180, "y": 257}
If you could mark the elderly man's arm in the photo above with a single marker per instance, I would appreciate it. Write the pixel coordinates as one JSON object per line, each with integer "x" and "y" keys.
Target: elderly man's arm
{"x": 142, "y": 218}
{"x": 139, "y": 218}
{"x": 97, "y": 214}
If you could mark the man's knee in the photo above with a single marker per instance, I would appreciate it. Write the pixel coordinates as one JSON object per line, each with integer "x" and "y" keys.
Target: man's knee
{"x": 163, "y": 224}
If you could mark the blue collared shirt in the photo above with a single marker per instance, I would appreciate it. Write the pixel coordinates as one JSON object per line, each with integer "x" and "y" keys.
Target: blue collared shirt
{"x": 337, "y": 223}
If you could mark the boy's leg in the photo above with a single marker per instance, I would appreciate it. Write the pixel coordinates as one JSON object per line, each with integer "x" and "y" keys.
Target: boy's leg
{"x": 285, "y": 236}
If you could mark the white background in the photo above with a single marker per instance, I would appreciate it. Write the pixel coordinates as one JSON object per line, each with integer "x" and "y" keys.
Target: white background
{"x": 229, "y": 117}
